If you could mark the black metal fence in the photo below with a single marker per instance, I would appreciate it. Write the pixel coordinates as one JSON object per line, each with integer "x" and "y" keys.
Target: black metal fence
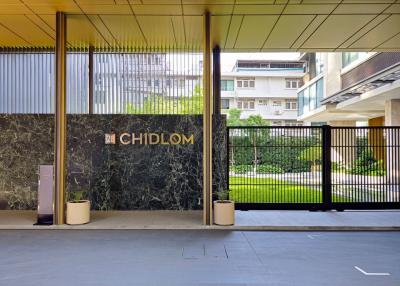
{"x": 314, "y": 167}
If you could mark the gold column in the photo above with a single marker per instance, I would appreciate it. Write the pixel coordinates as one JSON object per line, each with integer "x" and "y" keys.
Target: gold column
{"x": 207, "y": 122}
{"x": 60, "y": 119}
{"x": 376, "y": 139}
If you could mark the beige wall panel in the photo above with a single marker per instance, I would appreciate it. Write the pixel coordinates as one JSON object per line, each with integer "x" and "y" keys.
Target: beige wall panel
{"x": 286, "y": 31}
{"x": 124, "y": 28}
{"x": 254, "y": 31}
{"x": 309, "y": 30}
{"x": 17, "y": 8}
{"x": 258, "y": 9}
{"x": 164, "y": 2}
{"x": 200, "y": 9}
{"x": 395, "y": 8}
{"x": 309, "y": 9}
{"x": 52, "y": 6}
{"x": 157, "y": 9}
{"x": 364, "y": 30}
{"x": 233, "y": 31}
{"x": 177, "y": 22}
{"x": 335, "y": 30}
{"x": 219, "y": 29}
{"x": 207, "y": 1}
{"x": 40, "y": 22}
{"x": 22, "y": 26}
{"x": 7, "y": 38}
{"x": 360, "y": 9}
{"x": 381, "y": 33}
{"x": 194, "y": 30}
{"x": 157, "y": 29}
{"x": 106, "y": 9}
{"x": 393, "y": 43}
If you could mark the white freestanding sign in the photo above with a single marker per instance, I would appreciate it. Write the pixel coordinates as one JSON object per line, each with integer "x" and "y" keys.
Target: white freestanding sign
{"x": 45, "y": 194}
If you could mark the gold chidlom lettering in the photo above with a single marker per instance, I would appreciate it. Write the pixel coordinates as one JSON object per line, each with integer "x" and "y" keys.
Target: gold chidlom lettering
{"x": 175, "y": 139}
{"x": 139, "y": 138}
{"x": 154, "y": 138}
{"x": 121, "y": 138}
{"x": 187, "y": 140}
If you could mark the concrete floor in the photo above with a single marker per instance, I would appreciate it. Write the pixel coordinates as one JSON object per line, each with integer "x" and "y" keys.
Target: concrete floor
{"x": 245, "y": 220}
{"x": 198, "y": 257}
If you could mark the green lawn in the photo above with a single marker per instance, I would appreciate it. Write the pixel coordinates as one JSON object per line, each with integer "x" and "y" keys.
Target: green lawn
{"x": 267, "y": 190}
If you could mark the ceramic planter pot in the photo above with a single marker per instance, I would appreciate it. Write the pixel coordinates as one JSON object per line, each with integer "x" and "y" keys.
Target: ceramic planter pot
{"x": 224, "y": 212}
{"x": 78, "y": 212}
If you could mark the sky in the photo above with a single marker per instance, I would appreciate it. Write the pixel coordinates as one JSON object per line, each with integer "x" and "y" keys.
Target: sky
{"x": 228, "y": 59}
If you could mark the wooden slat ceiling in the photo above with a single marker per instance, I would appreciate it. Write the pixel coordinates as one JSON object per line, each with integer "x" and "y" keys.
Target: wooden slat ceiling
{"x": 237, "y": 25}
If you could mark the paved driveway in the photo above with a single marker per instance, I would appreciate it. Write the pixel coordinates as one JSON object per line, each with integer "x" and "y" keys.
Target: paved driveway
{"x": 130, "y": 257}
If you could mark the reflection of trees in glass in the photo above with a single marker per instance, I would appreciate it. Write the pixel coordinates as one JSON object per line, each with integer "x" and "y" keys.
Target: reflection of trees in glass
{"x": 160, "y": 104}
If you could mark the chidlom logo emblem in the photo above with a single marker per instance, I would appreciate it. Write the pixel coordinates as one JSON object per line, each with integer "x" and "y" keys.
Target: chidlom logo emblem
{"x": 109, "y": 138}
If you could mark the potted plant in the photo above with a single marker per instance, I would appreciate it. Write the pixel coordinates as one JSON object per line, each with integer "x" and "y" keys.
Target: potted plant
{"x": 78, "y": 210}
{"x": 224, "y": 210}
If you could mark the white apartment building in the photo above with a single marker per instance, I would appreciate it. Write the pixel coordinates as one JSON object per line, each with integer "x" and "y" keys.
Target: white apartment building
{"x": 267, "y": 88}
{"x": 351, "y": 88}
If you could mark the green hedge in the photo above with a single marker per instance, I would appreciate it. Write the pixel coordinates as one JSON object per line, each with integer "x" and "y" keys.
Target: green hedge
{"x": 281, "y": 152}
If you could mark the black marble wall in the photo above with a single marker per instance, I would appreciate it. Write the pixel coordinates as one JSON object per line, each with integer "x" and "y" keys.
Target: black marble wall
{"x": 114, "y": 177}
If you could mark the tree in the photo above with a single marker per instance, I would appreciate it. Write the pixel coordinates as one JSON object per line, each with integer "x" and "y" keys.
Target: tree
{"x": 255, "y": 135}
{"x": 311, "y": 154}
{"x": 161, "y": 104}
{"x": 234, "y": 117}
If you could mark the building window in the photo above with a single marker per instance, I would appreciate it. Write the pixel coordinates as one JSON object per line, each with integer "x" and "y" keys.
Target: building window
{"x": 224, "y": 103}
{"x": 276, "y": 123}
{"x": 310, "y": 97}
{"x": 156, "y": 82}
{"x": 276, "y": 103}
{"x": 246, "y": 104}
{"x": 245, "y": 82}
{"x": 293, "y": 123}
{"x": 181, "y": 83}
{"x": 292, "y": 83}
{"x": 319, "y": 64}
{"x": 149, "y": 82}
{"x": 227, "y": 85}
{"x": 350, "y": 57}
{"x": 291, "y": 104}
{"x": 263, "y": 102}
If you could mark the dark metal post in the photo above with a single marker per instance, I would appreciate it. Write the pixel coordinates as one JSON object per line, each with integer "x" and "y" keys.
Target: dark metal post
{"x": 326, "y": 167}
{"x": 217, "y": 80}
{"x": 60, "y": 140}
{"x": 91, "y": 50}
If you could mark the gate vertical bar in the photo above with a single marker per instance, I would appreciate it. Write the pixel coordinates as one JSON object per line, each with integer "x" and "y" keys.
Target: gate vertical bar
{"x": 326, "y": 167}
{"x": 207, "y": 123}
{"x": 60, "y": 119}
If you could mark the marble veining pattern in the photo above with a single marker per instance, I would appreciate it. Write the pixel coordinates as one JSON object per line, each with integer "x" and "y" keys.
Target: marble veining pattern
{"x": 114, "y": 177}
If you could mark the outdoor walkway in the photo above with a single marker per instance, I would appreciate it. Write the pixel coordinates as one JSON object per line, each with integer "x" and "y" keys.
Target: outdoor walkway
{"x": 245, "y": 220}
{"x": 198, "y": 258}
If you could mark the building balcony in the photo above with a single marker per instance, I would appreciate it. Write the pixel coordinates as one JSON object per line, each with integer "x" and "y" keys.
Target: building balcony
{"x": 377, "y": 71}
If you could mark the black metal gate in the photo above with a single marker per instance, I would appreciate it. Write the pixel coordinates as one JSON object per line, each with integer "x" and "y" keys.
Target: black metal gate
{"x": 314, "y": 168}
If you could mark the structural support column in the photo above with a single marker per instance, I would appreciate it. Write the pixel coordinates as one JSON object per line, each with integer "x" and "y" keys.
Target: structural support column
{"x": 60, "y": 119}
{"x": 207, "y": 123}
{"x": 216, "y": 80}
{"x": 90, "y": 101}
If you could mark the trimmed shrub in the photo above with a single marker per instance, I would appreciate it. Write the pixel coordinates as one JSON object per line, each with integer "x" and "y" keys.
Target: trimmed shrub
{"x": 269, "y": 169}
{"x": 241, "y": 169}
